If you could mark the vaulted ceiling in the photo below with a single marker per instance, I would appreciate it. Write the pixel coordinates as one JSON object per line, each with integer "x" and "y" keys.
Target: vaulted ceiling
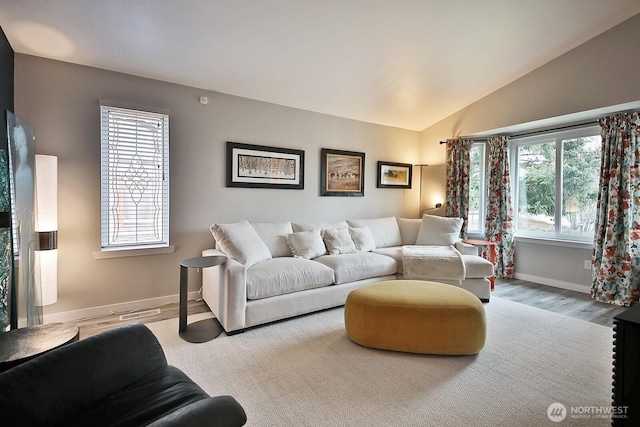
{"x": 403, "y": 63}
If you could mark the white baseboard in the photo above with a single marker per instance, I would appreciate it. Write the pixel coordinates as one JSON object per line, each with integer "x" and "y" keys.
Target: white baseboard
{"x": 107, "y": 310}
{"x": 585, "y": 289}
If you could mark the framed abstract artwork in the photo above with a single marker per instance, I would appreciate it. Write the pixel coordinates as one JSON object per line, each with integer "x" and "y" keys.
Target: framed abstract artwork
{"x": 342, "y": 173}
{"x": 394, "y": 175}
{"x": 259, "y": 166}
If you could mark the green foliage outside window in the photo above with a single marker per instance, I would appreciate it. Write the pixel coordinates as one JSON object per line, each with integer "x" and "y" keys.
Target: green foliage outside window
{"x": 578, "y": 179}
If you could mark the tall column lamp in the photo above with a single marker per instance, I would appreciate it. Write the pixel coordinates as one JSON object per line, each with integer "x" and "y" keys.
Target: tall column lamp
{"x": 46, "y": 253}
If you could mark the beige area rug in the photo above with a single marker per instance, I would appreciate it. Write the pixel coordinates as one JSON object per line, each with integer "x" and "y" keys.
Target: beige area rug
{"x": 306, "y": 372}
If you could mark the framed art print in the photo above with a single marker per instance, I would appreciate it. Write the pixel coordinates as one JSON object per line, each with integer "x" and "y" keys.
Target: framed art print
{"x": 259, "y": 166}
{"x": 342, "y": 173}
{"x": 394, "y": 175}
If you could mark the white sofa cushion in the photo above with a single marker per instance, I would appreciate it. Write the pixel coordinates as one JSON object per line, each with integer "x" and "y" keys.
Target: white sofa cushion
{"x": 357, "y": 266}
{"x": 409, "y": 229}
{"x": 394, "y": 252}
{"x": 338, "y": 241}
{"x": 466, "y": 248}
{"x": 439, "y": 230}
{"x": 306, "y": 244}
{"x": 477, "y": 267}
{"x": 279, "y": 276}
{"x": 385, "y": 230}
{"x": 306, "y": 226}
{"x": 274, "y": 235}
{"x": 241, "y": 242}
{"x": 362, "y": 238}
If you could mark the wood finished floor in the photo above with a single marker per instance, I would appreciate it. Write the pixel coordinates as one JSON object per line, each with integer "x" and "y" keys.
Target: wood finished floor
{"x": 569, "y": 303}
{"x": 94, "y": 326}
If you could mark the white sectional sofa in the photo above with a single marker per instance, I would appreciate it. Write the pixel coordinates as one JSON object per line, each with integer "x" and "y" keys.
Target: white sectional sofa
{"x": 279, "y": 270}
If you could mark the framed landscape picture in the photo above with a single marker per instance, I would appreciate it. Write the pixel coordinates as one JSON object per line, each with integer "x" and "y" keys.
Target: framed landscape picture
{"x": 394, "y": 175}
{"x": 342, "y": 173}
{"x": 259, "y": 166}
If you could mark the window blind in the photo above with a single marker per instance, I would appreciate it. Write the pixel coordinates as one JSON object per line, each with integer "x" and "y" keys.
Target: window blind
{"x": 134, "y": 178}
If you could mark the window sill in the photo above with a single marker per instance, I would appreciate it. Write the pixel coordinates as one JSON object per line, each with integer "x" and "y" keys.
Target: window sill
{"x": 123, "y": 253}
{"x": 475, "y": 235}
{"x": 554, "y": 242}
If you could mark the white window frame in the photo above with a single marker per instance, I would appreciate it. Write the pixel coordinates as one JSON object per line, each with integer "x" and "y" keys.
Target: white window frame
{"x": 151, "y": 154}
{"x": 553, "y": 137}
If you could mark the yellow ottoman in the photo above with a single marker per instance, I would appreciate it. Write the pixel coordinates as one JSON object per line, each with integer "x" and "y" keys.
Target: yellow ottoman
{"x": 417, "y": 317}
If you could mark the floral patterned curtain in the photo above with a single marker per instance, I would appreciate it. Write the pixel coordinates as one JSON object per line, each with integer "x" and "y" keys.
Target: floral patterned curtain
{"x": 498, "y": 223}
{"x": 616, "y": 248}
{"x": 457, "y": 189}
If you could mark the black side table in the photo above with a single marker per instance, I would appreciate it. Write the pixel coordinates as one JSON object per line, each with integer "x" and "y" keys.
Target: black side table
{"x": 203, "y": 330}
{"x": 19, "y": 345}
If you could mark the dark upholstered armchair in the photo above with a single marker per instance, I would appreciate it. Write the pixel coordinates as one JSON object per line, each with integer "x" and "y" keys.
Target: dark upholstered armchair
{"x": 117, "y": 378}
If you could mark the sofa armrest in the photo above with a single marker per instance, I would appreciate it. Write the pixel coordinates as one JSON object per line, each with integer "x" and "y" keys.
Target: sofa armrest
{"x": 224, "y": 289}
{"x": 466, "y": 248}
{"x": 51, "y": 388}
{"x": 220, "y": 411}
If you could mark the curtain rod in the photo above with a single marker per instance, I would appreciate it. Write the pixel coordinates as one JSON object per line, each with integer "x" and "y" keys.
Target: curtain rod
{"x": 536, "y": 132}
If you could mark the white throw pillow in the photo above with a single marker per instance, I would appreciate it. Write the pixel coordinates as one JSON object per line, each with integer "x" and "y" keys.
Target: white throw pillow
{"x": 439, "y": 230}
{"x": 338, "y": 241}
{"x": 306, "y": 244}
{"x": 241, "y": 242}
{"x": 274, "y": 235}
{"x": 385, "y": 231}
{"x": 362, "y": 238}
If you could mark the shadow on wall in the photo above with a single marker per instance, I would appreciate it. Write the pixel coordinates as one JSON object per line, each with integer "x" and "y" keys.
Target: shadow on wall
{"x": 432, "y": 189}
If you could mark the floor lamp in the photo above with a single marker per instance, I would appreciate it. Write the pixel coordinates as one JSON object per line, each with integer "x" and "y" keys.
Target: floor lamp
{"x": 46, "y": 253}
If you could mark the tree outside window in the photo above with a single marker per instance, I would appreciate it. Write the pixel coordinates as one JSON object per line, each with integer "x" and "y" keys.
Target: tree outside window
{"x": 557, "y": 184}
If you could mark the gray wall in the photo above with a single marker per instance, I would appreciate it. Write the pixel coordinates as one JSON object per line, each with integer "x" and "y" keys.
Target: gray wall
{"x": 600, "y": 73}
{"x": 61, "y": 101}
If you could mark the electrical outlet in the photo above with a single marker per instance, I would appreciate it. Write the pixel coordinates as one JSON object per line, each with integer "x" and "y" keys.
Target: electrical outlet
{"x": 587, "y": 264}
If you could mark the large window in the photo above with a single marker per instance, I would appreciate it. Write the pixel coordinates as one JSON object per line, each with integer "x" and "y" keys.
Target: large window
{"x": 555, "y": 179}
{"x": 135, "y": 178}
{"x": 477, "y": 189}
